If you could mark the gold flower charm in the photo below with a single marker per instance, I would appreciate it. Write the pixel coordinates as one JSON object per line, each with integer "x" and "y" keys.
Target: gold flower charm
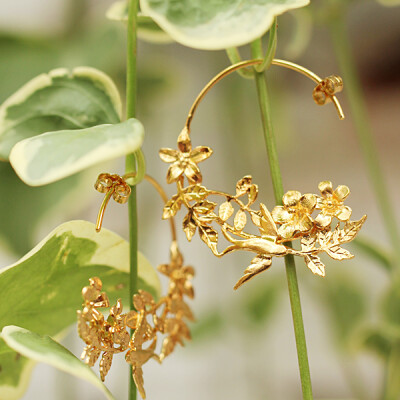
{"x": 111, "y": 336}
{"x": 331, "y": 204}
{"x": 295, "y": 214}
{"x": 185, "y": 160}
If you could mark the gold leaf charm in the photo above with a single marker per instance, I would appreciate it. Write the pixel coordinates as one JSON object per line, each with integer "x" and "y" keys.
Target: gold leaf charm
{"x": 315, "y": 265}
{"x": 210, "y": 237}
{"x": 258, "y": 265}
{"x": 225, "y": 211}
{"x": 240, "y": 220}
{"x": 189, "y": 226}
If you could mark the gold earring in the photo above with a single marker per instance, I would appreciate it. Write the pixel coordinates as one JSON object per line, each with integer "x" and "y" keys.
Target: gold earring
{"x": 106, "y": 337}
{"x": 291, "y": 221}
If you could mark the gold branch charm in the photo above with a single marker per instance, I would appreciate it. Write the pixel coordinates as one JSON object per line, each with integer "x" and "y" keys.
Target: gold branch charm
{"x": 106, "y": 337}
{"x": 308, "y": 218}
{"x": 294, "y": 220}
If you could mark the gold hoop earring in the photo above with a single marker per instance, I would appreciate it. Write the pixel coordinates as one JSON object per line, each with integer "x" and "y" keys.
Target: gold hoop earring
{"x": 286, "y": 223}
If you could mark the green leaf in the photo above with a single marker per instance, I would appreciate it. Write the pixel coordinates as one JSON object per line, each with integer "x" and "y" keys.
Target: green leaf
{"x": 389, "y": 3}
{"x": 261, "y": 302}
{"x": 147, "y": 29}
{"x": 52, "y": 156}
{"x": 118, "y": 11}
{"x": 346, "y": 305}
{"x": 391, "y": 304}
{"x": 373, "y": 251}
{"x": 22, "y": 59}
{"x": 42, "y": 291}
{"x": 58, "y": 100}
{"x": 19, "y": 223}
{"x": 45, "y": 349}
{"x": 377, "y": 340}
{"x": 209, "y": 325}
{"x": 216, "y": 24}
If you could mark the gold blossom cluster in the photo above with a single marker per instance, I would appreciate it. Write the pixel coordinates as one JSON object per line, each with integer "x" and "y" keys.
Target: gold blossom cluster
{"x": 292, "y": 220}
{"x": 294, "y": 215}
{"x": 106, "y": 337}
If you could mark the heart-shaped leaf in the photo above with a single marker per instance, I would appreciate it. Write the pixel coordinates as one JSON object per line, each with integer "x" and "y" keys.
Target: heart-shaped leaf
{"x": 58, "y": 100}
{"x": 45, "y": 349}
{"x": 216, "y": 24}
{"x": 52, "y": 156}
{"x": 42, "y": 291}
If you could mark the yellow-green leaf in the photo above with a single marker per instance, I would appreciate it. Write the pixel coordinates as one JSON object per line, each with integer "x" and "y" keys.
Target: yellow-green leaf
{"x": 42, "y": 291}
{"x": 45, "y": 349}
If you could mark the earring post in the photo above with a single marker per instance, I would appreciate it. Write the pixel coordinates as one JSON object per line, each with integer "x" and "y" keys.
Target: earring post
{"x": 102, "y": 210}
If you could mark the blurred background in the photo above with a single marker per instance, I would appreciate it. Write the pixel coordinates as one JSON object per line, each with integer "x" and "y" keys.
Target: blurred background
{"x": 243, "y": 343}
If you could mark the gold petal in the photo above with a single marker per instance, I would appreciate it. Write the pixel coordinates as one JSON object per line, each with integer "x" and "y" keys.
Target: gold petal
{"x": 325, "y": 187}
{"x": 200, "y": 153}
{"x": 309, "y": 201}
{"x": 193, "y": 173}
{"x": 280, "y": 215}
{"x": 286, "y": 231}
{"x": 341, "y": 192}
{"x": 267, "y": 222}
{"x": 174, "y": 172}
{"x": 305, "y": 224}
{"x": 343, "y": 214}
{"x": 184, "y": 143}
{"x": 168, "y": 155}
{"x": 320, "y": 203}
{"x": 291, "y": 198}
{"x": 188, "y": 271}
{"x": 323, "y": 220}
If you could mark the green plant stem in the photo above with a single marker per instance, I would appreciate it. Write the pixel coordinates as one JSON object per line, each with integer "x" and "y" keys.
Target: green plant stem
{"x": 359, "y": 113}
{"x": 131, "y": 91}
{"x": 276, "y": 177}
{"x": 234, "y": 57}
{"x": 271, "y": 50}
{"x": 392, "y": 384}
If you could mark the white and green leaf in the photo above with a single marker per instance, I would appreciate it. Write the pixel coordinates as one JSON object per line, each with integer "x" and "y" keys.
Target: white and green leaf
{"x": 52, "y": 156}
{"x": 42, "y": 348}
{"x": 42, "y": 291}
{"x": 216, "y": 24}
{"x": 147, "y": 29}
{"x": 59, "y": 100}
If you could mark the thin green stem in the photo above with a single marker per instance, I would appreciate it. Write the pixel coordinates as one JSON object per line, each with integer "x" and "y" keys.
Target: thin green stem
{"x": 291, "y": 275}
{"x": 363, "y": 129}
{"x": 392, "y": 381}
{"x": 234, "y": 57}
{"x": 271, "y": 50}
{"x": 131, "y": 91}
